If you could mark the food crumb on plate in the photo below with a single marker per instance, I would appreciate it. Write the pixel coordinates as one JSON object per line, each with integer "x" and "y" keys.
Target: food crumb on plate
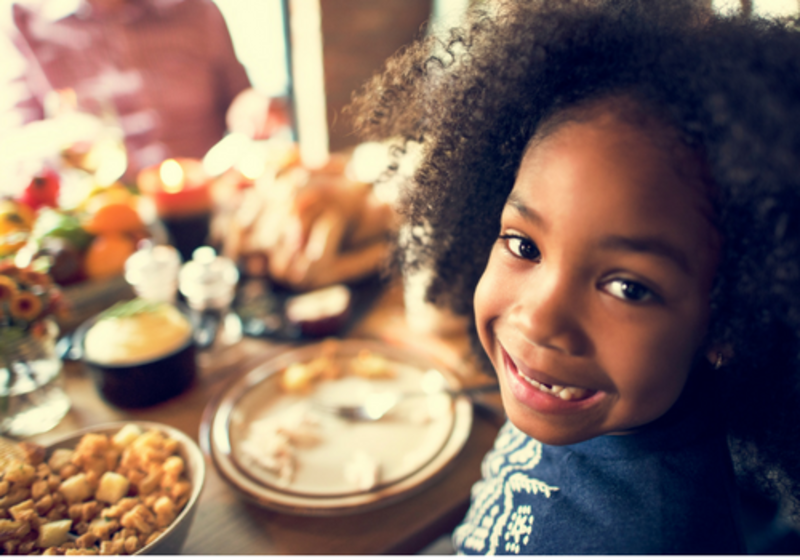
{"x": 272, "y": 442}
{"x": 362, "y": 470}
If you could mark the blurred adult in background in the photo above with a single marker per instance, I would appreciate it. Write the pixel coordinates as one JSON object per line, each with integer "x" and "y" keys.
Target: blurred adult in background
{"x": 163, "y": 71}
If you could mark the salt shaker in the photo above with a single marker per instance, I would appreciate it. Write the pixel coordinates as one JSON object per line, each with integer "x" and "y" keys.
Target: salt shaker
{"x": 208, "y": 282}
{"x": 153, "y": 270}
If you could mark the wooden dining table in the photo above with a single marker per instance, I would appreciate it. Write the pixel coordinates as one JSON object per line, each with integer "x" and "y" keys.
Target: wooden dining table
{"x": 227, "y": 523}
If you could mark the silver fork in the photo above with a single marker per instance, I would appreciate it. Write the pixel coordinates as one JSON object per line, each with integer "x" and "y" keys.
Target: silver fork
{"x": 376, "y": 405}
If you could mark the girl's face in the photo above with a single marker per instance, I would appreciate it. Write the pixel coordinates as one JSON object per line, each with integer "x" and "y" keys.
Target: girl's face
{"x": 595, "y": 299}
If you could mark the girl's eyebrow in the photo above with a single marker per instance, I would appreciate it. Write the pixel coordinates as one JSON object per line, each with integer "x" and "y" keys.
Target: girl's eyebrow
{"x": 652, "y": 245}
{"x": 529, "y": 214}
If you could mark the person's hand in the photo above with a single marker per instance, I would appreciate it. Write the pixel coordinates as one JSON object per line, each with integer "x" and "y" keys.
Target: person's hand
{"x": 257, "y": 116}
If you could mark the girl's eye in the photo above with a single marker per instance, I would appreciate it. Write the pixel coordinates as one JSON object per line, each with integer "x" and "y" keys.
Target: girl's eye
{"x": 629, "y": 290}
{"x": 521, "y": 247}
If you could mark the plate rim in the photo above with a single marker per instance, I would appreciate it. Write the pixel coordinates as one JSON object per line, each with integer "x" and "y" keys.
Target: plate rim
{"x": 219, "y": 448}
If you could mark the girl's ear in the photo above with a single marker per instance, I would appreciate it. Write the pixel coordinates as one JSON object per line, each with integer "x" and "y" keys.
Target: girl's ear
{"x": 719, "y": 354}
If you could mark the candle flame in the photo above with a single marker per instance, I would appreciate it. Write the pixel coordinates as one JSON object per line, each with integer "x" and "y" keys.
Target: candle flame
{"x": 172, "y": 176}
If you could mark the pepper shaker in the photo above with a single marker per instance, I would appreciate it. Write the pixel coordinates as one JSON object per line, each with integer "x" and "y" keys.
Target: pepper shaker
{"x": 208, "y": 282}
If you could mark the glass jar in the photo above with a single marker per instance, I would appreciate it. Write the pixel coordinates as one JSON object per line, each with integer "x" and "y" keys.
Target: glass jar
{"x": 32, "y": 396}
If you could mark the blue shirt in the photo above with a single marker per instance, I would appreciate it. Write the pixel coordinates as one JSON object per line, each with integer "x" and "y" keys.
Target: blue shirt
{"x": 669, "y": 488}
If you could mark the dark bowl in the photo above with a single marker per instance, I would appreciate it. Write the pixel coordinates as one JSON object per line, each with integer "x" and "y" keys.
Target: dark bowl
{"x": 140, "y": 384}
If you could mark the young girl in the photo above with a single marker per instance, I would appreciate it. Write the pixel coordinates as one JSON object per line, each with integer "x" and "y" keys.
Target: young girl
{"x": 611, "y": 191}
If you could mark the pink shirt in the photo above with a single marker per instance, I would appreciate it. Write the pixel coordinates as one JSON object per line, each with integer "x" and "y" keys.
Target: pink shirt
{"x": 166, "y": 67}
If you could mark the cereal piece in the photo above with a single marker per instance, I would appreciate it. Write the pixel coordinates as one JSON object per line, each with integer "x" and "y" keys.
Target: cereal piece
{"x": 121, "y": 507}
{"x": 150, "y": 482}
{"x": 4, "y": 487}
{"x": 53, "y": 481}
{"x": 76, "y": 488}
{"x": 56, "y": 513}
{"x": 11, "y": 528}
{"x": 112, "y": 458}
{"x": 54, "y": 533}
{"x": 171, "y": 446}
{"x": 111, "y": 548}
{"x": 10, "y": 546}
{"x": 91, "y": 445}
{"x": 126, "y": 435}
{"x": 139, "y": 518}
{"x": 59, "y": 459}
{"x": 131, "y": 544}
{"x": 173, "y": 465}
{"x": 17, "y": 510}
{"x": 68, "y": 470}
{"x": 27, "y": 545}
{"x": 74, "y": 511}
{"x": 39, "y": 488}
{"x": 93, "y": 478}
{"x": 20, "y": 472}
{"x": 44, "y": 504}
{"x": 112, "y": 488}
{"x": 164, "y": 509}
{"x": 42, "y": 470}
{"x": 104, "y": 527}
{"x": 16, "y": 494}
{"x": 86, "y": 540}
{"x": 89, "y": 510}
{"x": 182, "y": 488}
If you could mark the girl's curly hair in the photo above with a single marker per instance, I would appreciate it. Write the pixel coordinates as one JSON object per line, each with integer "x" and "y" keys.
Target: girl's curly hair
{"x": 727, "y": 87}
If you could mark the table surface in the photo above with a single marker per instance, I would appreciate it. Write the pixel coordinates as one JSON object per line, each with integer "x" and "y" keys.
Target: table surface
{"x": 225, "y": 523}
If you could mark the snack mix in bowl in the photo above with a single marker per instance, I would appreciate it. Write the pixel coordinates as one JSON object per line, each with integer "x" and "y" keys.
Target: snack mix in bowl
{"x": 112, "y": 491}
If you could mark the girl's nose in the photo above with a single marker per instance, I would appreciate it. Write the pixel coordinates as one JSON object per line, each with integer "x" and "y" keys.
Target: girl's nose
{"x": 548, "y": 314}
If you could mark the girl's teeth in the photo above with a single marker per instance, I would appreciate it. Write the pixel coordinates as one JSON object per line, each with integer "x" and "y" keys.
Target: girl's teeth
{"x": 563, "y": 393}
{"x": 572, "y": 393}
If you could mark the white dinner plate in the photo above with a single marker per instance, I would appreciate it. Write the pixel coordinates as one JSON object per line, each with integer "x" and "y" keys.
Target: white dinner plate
{"x": 410, "y": 447}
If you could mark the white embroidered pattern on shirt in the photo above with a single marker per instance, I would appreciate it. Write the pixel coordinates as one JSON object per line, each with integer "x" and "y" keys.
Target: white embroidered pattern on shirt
{"x": 503, "y": 476}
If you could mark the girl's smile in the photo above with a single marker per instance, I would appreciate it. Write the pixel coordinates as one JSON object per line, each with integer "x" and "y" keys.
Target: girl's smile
{"x": 543, "y": 392}
{"x": 594, "y": 303}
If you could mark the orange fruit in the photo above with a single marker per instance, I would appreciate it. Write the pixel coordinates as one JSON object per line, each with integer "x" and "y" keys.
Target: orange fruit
{"x": 107, "y": 254}
{"x": 113, "y": 218}
{"x": 114, "y": 194}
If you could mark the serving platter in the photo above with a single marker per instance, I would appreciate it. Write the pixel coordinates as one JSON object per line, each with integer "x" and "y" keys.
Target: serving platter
{"x": 404, "y": 451}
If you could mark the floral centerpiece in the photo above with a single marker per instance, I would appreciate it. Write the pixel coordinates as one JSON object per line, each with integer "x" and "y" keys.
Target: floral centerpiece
{"x": 29, "y": 304}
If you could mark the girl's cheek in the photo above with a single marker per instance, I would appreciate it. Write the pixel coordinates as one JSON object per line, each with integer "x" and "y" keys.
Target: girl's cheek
{"x": 488, "y": 300}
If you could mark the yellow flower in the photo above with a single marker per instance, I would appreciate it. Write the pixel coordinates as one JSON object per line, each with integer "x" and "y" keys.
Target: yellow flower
{"x": 25, "y": 306}
{"x": 8, "y": 288}
{"x": 33, "y": 278}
